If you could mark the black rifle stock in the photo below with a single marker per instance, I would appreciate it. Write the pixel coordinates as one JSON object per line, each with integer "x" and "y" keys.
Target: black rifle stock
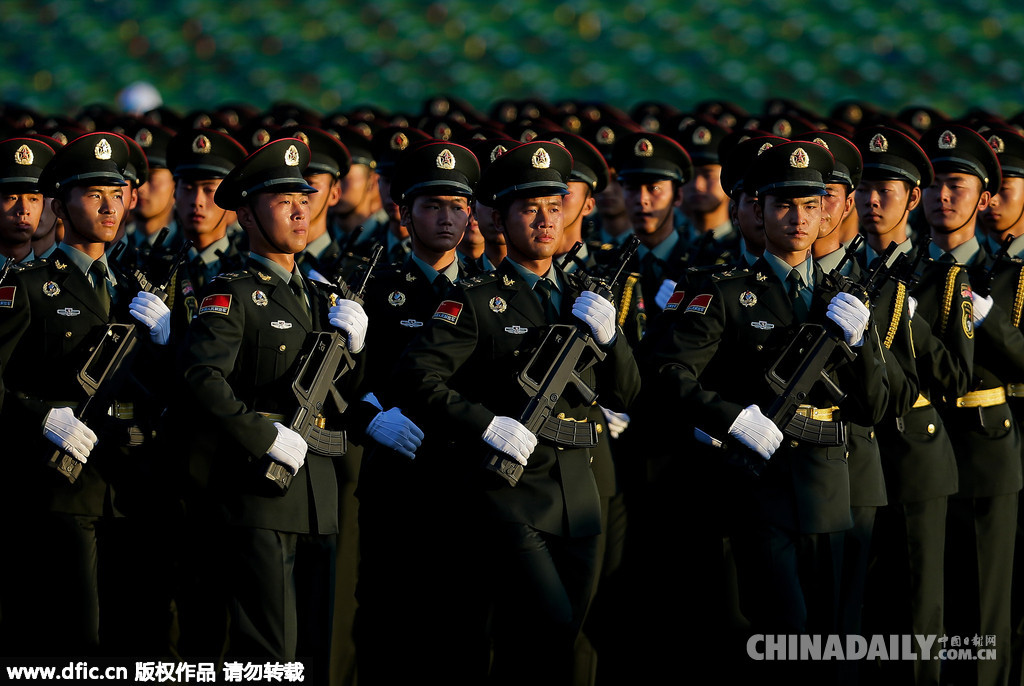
{"x": 566, "y": 352}
{"x": 325, "y": 359}
{"x": 107, "y": 368}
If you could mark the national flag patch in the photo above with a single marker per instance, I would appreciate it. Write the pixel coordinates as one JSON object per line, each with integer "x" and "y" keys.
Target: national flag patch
{"x": 699, "y": 304}
{"x": 219, "y": 303}
{"x": 675, "y": 300}
{"x": 448, "y": 311}
{"x": 7, "y": 296}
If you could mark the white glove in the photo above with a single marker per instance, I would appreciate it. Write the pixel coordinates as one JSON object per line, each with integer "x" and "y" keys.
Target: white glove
{"x": 616, "y": 421}
{"x": 350, "y": 317}
{"x": 394, "y": 430}
{"x": 982, "y": 305}
{"x": 911, "y": 305}
{"x": 317, "y": 276}
{"x": 851, "y": 315}
{"x": 64, "y": 429}
{"x": 372, "y": 399}
{"x": 154, "y": 313}
{"x": 506, "y": 435}
{"x": 757, "y": 432}
{"x": 668, "y": 287}
{"x": 289, "y": 449}
{"x": 598, "y": 314}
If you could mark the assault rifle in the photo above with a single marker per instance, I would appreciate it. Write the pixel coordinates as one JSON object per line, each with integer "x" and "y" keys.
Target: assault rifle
{"x": 324, "y": 361}
{"x": 805, "y": 364}
{"x": 981, "y": 283}
{"x": 566, "y": 352}
{"x": 108, "y": 366}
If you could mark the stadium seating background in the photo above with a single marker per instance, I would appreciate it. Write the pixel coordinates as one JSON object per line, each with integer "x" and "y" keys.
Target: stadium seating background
{"x": 327, "y": 55}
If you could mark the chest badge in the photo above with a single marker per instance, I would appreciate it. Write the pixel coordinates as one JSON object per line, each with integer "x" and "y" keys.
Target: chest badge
{"x": 51, "y": 289}
{"x": 410, "y": 277}
{"x": 497, "y": 305}
{"x": 411, "y": 323}
{"x": 764, "y": 326}
{"x": 59, "y": 265}
{"x": 516, "y": 329}
{"x": 260, "y": 298}
{"x": 263, "y": 277}
{"x": 748, "y": 299}
{"x": 760, "y": 276}
{"x": 281, "y": 324}
{"x": 507, "y": 281}
{"x": 69, "y": 312}
{"x": 396, "y": 298}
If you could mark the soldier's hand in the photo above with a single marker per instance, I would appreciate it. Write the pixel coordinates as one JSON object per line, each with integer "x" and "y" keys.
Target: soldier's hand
{"x": 982, "y": 304}
{"x": 508, "y": 436}
{"x": 757, "y": 432}
{"x": 851, "y": 315}
{"x": 64, "y": 429}
{"x": 154, "y": 313}
{"x": 394, "y": 430}
{"x": 617, "y": 421}
{"x": 668, "y": 287}
{"x": 597, "y": 313}
{"x": 350, "y": 317}
{"x": 289, "y": 449}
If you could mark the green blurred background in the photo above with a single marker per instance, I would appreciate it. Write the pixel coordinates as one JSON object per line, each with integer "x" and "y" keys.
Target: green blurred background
{"x": 60, "y": 55}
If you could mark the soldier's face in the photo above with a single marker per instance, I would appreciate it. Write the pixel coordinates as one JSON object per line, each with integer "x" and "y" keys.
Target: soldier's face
{"x": 836, "y": 205}
{"x": 704, "y": 193}
{"x": 283, "y": 216}
{"x": 327, "y": 195}
{"x": 532, "y": 227}
{"x": 1006, "y": 209}
{"x": 436, "y": 223}
{"x": 486, "y": 223}
{"x": 198, "y": 213}
{"x": 749, "y": 223}
{"x": 576, "y": 206}
{"x": 19, "y": 217}
{"x": 384, "y": 187}
{"x": 610, "y": 202}
{"x": 884, "y": 205}
{"x": 953, "y": 201}
{"x": 355, "y": 186}
{"x": 92, "y": 214}
{"x": 790, "y": 224}
{"x": 650, "y": 206}
{"x": 156, "y": 195}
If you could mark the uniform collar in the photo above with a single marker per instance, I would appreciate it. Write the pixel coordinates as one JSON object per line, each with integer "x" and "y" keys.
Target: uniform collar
{"x": 531, "y": 279}
{"x": 781, "y": 269}
{"x": 317, "y": 246}
{"x": 905, "y": 247}
{"x": 451, "y": 271}
{"x": 84, "y": 262}
{"x": 274, "y": 267}
{"x": 662, "y": 250}
{"x": 209, "y": 254}
{"x": 963, "y": 253}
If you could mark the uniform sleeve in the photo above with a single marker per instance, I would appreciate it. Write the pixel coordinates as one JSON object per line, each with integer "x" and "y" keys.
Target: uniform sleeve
{"x": 208, "y": 359}
{"x": 428, "y": 364}
{"x": 677, "y": 358}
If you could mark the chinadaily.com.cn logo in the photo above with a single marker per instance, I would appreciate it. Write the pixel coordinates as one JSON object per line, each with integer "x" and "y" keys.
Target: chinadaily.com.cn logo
{"x": 781, "y": 647}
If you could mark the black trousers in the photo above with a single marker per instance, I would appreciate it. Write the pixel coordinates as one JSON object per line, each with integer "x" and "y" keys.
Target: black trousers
{"x": 542, "y": 585}
{"x": 281, "y": 597}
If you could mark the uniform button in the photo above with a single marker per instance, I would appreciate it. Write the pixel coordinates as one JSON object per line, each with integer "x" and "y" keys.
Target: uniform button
{"x": 515, "y": 353}
{"x": 591, "y": 459}
{"x": 847, "y": 455}
{"x": 283, "y": 348}
{"x": 67, "y": 334}
{"x": 871, "y": 435}
{"x": 1006, "y": 423}
{"x": 931, "y": 428}
{"x": 760, "y": 347}
{"x": 793, "y": 444}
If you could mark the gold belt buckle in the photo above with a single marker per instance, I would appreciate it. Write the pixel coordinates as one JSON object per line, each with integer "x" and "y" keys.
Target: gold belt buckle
{"x": 988, "y": 397}
{"x": 124, "y": 411}
{"x": 1015, "y": 390}
{"x": 822, "y": 414}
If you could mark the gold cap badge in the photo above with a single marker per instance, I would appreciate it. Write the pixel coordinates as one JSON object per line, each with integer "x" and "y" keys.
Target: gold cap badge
{"x": 23, "y": 155}
{"x": 445, "y": 159}
{"x": 878, "y": 144}
{"x": 103, "y": 151}
{"x": 201, "y": 145}
{"x": 947, "y": 141}
{"x": 291, "y": 156}
{"x": 643, "y": 148}
{"x": 541, "y": 159}
{"x": 799, "y": 159}
{"x": 997, "y": 144}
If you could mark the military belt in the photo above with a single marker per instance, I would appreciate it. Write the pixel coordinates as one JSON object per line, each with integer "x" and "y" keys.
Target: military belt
{"x": 575, "y": 433}
{"x": 921, "y": 402}
{"x": 822, "y": 414}
{"x": 1015, "y": 390}
{"x": 118, "y": 409}
{"x": 985, "y": 398}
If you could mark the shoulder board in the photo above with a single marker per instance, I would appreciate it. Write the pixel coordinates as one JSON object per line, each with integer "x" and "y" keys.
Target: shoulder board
{"x": 233, "y": 276}
{"x": 719, "y": 275}
{"x": 478, "y": 280}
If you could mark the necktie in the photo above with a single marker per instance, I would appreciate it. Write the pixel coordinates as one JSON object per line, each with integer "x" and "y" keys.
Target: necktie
{"x": 441, "y": 284}
{"x": 99, "y": 283}
{"x": 544, "y": 290}
{"x": 947, "y": 258}
{"x": 295, "y": 284}
{"x": 796, "y": 284}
